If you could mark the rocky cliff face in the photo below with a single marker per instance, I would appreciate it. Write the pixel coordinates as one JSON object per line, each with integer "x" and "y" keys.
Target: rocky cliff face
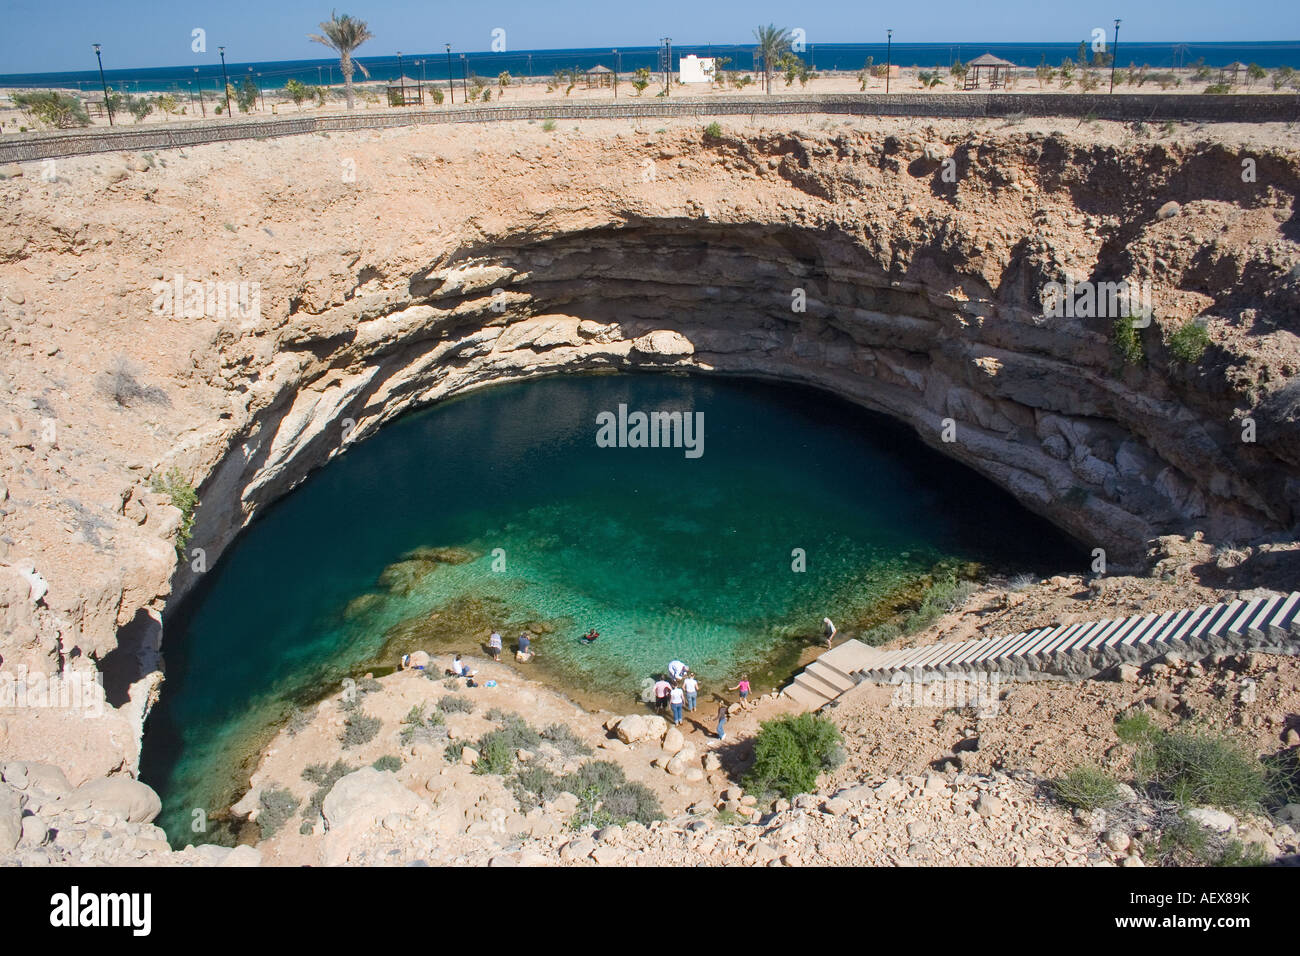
{"x": 902, "y": 267}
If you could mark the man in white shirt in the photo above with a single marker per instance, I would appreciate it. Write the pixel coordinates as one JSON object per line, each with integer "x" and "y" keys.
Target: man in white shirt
{"x": 676, "y": 670}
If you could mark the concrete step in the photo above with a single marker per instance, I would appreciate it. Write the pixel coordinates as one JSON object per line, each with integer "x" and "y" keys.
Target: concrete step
{"x": 818, "y": 684}
{"x": 809, "y": 700}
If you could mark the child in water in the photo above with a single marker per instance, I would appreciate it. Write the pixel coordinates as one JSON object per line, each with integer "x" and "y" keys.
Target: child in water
{"x": 590, "y": 636}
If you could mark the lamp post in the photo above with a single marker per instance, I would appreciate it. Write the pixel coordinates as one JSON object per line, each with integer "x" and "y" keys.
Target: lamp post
{"x": 401, "y": 80}
{"x": 104, "y": 83}
{"x": 618, "y": 62}
{"x": 225, "y": 79}
{"x": 261, "y": 95}
{"x": 451, "y": 87}
{"x": 464, "y": 78}
{"x": 889, "y": 48}
{"x": 199, "y": 86}
{"x": 1114, "y": 56}
{"x": 668, "y": 63}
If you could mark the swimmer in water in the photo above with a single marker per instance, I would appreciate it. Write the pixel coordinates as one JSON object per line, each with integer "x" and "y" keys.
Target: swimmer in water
{"x": 590, "y": 636}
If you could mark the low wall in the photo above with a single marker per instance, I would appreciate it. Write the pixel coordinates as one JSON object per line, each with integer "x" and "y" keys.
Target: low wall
{"x": 1145, "y": 107}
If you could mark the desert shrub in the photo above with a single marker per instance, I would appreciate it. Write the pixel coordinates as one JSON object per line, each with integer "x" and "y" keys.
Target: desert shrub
{"x": 1086, "y": 788}
{"x": 323, "y": 777}
{"x": 298, "y": 721}
{"x": 603, "y": 775}
{"x": 1218, "y": 88}
{"x": 53, "y": 109}
{"x": 563, "y": 739}
{"x": 452, "y": 752}
{"x": 495, "y": 754}
{"x": 359, "y": 728}
{"x": 548, "y": 125}
{"x": 1189, "y": 343}
{"x": 943, "y": 596}
{"x": 713, "y": 131}
{"x": 1022, "y": 582}
{"x": 631, "y": 801}
{"x": 183, "y": 497}
{"x": 534, "y": 785}
{"x": 514, "y": 731}
{"x": 1197, "y": 768}
{"x": 416, "y": 721}
{"x": 388, "y": 762}
{"x": 276, "y": 807}
{"x": 451, "y": 704}
{"x": 1135, "y": 728}
{"x": 119, "y": 383}
{"x": 1127, "y": 340}
{"x": 368, "y": 685}
{"x": 307, "y": 827}
{"x": 1185, "y": 843}
{"x": 790, "y": 752}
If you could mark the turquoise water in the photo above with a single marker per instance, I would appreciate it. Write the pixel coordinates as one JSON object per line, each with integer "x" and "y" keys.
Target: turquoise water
{"x": 667, "y": 556}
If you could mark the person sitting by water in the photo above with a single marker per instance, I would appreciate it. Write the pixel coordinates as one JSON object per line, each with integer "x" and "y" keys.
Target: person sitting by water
{"x": 662, "y": 690}
{"x": 459, "y": 668}
{"x": 494, "y": 645}
{"x": 524, "y": 651}
{"x": 676, "y": 670}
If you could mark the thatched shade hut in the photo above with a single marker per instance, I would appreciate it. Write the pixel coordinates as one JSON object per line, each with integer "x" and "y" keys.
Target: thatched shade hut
{"x": 1229, "y": 73}
{"x": 599, "y": 76}
{"x": 405, "y": 91}
{"x": 997, "y": 71}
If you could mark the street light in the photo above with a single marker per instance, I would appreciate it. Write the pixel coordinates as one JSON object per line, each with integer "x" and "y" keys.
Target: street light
{"x": 451, "y": 87}
{"x": 107, "y": 105}
{"x": 889, "y": 45}
{"x": 668, "y": 64}
{"x": 401, "y": 80}
{"x": 1114, "y": 56}
{"x": 225, "y": 79}
{"x": 261, "y": 95}
{"x": 199, "y": 85}
{"x": 618, "y": 62}
{"x": 464, "y": 74}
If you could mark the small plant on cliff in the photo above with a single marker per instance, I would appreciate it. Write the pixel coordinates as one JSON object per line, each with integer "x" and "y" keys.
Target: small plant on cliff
{"x": 177, "y": 487}
{"x": 323, "y": 777}
{"x": 1189, "y": 343}
{"x": 359, "y": 728}
{"x": 1086, "y": 788}
{"x": 790, "y": 752}
{"x": 1127, "y": 340}
{"x": 388, "y": 762}
{"x": 120, "y": 384}
{"x": 713, "y": 131}
{"x": 563, "y": 739}
{"x": 452, "y": 704}
{"x": 548, "y": 126}
{"x": 276, "y": 807}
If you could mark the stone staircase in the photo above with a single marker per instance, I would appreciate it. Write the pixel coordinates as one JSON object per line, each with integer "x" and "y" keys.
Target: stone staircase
{"x": 1071, "y": 651}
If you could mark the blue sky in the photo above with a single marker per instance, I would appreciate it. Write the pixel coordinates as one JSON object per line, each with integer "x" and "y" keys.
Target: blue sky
{"x": 39, "y": 35}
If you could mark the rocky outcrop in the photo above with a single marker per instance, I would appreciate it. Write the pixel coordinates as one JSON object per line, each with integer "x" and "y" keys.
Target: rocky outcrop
{"x": 840, "y": 259}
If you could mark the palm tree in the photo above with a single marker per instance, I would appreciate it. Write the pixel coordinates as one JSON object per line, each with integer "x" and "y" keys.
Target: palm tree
{"x": 772, "y": 42}
{"x": 344, "y": 34}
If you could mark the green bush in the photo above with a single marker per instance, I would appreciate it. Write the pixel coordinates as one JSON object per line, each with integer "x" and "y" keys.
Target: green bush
{"x": 276, "y": 807}
{"x": 359, "y": 728}
{"x": 495, "y": 755}
{"x": 1136, "y": 727}
{"x": 388, "y": 762}
{"x": 1127, "y": 340}
{"x": 945, "y": 595}
{"x": 1189, "y": 343}
{"x": 631, "y": 801}
{"x": 790, "y": 752}
{"x": 453, "y": 704}
{"x": 548, "y": 125}
{"x": 713, "y": 131}
{"x": 1197, "y": 768}
{"x": 324, "y": 777}
{"x": 1086, "y": 788}
{"x": 177, "y": 487}
{"x": 53, "y": 109}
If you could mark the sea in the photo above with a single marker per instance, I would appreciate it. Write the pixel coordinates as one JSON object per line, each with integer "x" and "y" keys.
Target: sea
{"x": 436, "y": 66}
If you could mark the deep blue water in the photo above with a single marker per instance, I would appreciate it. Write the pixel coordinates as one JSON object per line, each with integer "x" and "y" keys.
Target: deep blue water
{"x": 667, "y": 556}
{"x": 825, "y": 56}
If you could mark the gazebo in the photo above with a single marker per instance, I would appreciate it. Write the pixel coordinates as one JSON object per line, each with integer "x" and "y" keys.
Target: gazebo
{"x": 405, "y": 91}
{"x": 599, "y": 76}
{"x": 998, "y": 70}
{"x": 1228, "y": 74}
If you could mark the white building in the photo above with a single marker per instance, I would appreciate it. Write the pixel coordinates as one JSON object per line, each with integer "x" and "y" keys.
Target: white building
{"x": 694, "y": 69}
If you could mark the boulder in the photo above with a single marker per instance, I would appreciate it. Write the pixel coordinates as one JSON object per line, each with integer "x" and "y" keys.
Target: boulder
{"x": 712, "y": 762}
{"x": 11, "y": 819}
{"x": 469, "y": 756}
{"x": 365, "y": 796}
{"x": 1213, "y": 819}
{"x": 1168, "y": 210}
{"x": 673, "y": 740}
{"x": 637, "y": 727}
{"x": 127, "y": 799}
{"x": 988, "y": 805}
{"x": 242, "y": 856}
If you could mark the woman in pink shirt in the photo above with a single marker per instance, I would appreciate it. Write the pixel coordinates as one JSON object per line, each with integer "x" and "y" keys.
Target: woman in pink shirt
{"x": 743, "y": 687}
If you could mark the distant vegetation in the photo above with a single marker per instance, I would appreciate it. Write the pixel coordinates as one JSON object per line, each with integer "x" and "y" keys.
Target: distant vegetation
{"x": 58, "y": 110}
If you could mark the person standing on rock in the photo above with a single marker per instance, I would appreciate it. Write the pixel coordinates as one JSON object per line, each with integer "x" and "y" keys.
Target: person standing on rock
{"x": 494, "y": 645}
{"x": 743, "y": 687}
{"x": 828, "y": 631}
{"x": 722, "y": 721}
{"x": 692, "y": 688}
{"x": 676, "y": 697}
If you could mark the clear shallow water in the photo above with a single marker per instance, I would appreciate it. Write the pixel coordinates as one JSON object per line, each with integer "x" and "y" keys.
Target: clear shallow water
{"x": 666, "y": 556}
